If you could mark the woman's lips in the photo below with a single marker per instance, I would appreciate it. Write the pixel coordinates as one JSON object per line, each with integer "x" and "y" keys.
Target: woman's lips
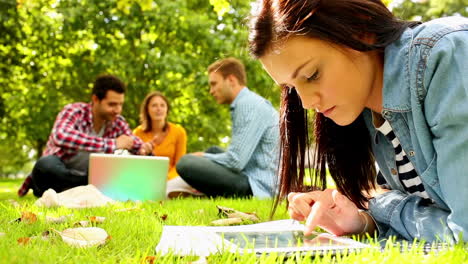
{"x": 328, "y": 111}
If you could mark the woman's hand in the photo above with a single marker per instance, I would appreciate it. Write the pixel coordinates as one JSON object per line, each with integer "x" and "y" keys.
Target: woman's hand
{"x": 327, "y": 209}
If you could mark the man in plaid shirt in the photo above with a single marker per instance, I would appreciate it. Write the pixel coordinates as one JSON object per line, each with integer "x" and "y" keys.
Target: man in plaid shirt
{"x": 81, "y": 129}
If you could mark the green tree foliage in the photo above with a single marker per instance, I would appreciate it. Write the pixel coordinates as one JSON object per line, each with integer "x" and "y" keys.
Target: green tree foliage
{"x": 53, "y": 50}
{"x": 425, "y": 10}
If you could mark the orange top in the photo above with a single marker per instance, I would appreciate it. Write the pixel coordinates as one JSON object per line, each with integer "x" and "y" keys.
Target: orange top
{"x": 174, "y": 145}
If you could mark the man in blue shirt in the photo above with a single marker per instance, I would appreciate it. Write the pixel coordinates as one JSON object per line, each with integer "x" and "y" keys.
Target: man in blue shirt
{"x": 249, "y": 165}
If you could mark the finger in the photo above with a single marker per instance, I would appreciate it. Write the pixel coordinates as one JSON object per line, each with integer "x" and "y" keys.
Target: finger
{"x": 297, "y": 217}
{"x": 301, "y": 203}
{"x": 295, "y": 214}
{"x": 317, "y": 212}
{"x": 292, "y": 205}
{"x": 291, "y": 195}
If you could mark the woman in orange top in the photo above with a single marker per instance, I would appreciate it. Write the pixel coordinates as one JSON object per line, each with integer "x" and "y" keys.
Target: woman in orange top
{"x": 169, "y": 139}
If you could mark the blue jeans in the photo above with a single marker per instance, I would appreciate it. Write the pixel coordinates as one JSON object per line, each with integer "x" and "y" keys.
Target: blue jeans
{"x": 51, "y": 172}
{"x": 212, "y": 178}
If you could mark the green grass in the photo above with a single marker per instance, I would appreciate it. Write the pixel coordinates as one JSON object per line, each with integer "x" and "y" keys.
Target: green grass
{"x": 134, "y": 234}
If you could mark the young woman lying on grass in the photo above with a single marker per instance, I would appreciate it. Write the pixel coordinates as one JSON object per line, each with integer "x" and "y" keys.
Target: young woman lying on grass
{"x": 384, "y": 90}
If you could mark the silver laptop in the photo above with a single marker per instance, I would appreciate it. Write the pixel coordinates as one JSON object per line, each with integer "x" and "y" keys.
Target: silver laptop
{"x": 129, "y": 177}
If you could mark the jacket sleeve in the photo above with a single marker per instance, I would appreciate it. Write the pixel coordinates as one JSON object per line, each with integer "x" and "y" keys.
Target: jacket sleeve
{"x": 446, "y": 111}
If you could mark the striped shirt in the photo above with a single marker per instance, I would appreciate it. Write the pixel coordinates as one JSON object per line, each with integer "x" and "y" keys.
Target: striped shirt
{"x": 253, "y": 150}
{"x": 407, "y": 175}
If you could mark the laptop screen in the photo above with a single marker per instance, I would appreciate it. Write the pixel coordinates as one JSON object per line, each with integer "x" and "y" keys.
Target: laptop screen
{"x": 129, "y": 177}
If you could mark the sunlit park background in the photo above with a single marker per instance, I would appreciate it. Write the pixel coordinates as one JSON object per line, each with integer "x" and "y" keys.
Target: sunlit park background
{"x": 51, "y": 51}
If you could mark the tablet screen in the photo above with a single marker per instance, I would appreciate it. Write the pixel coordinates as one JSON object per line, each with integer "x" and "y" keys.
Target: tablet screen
{"x": 283, "y": 239}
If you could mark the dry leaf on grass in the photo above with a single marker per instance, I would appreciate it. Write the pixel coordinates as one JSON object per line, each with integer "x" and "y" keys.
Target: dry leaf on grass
{"x": 97, "y": 219}
{"x": 24, "y": 240}
{"x": 84, "y": 236}
{"x": 233, "y": 213}
{"x": 56, "y": 220}
{"x": 163, "y": 217}
{"x": 83, "y": 223}
{"x": 28, "y": 217}
{"x": 45, "y": 235}
{"x": 93, "y": 220}
{"x": 150, "y": 259}
{"x": 224, "y": 210}
{"x": 244, "y": 216}
{"x": 227, "y": 221}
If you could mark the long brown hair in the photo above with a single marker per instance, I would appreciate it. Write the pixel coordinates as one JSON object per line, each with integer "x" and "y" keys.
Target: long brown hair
{"x": 145, "y": 119}
{"x": 344, "y": 150}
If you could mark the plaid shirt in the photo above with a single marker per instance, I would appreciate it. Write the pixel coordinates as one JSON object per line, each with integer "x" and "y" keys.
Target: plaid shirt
{"x": 71, "y": 130}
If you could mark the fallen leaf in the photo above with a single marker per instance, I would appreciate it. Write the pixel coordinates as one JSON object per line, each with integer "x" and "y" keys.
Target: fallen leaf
{"x": 150, "y": 259}
{"x": 84, "y": 236}
{"x": 232, "y": 213}
{"x": 2, "y": 234}
{"x": 244, "y": 216}
{"x": 163, "y": 217}
{"x": 28, "y": 217}
{"x": 83, "y": 223}
{"x": 56, "y": 220}
{"x": 24, "y": 240}
{"x": 45, "y": 235}
{"x": 224, "y": 210}
{"x": 227, "y": 221}
{"x": 97, "y": 219}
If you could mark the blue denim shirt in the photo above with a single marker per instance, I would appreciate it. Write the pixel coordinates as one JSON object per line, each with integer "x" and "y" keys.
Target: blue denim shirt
{"x": 425, "y": 99}
{"x": 254, "y": 143}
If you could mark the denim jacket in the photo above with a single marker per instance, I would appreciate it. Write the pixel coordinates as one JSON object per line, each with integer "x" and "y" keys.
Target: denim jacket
{"x": 425, "y": 100}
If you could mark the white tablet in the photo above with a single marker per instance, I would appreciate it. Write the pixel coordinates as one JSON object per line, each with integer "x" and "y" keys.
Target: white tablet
{"x": 287, "y": 242}
{"x": 283, "y": 236}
